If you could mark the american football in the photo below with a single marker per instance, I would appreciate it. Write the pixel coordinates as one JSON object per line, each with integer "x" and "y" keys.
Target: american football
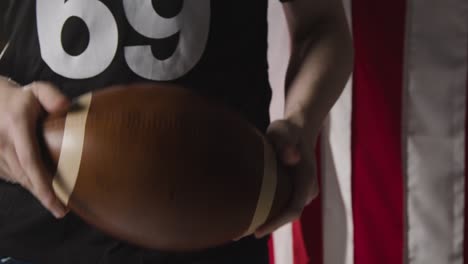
{"x": 162, "y": 167}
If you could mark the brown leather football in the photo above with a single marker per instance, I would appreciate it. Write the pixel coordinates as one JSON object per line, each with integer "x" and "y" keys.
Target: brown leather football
{"x": 163, "y": 168}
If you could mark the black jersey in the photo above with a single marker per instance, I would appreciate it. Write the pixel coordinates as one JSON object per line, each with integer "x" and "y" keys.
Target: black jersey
{"x": 217, "y": 48}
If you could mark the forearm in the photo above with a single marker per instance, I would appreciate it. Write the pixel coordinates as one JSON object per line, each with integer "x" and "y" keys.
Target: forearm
{"x": 320, "y": 65}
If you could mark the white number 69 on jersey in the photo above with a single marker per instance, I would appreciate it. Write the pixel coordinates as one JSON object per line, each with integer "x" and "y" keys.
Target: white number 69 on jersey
{"x": 192, "y": 24}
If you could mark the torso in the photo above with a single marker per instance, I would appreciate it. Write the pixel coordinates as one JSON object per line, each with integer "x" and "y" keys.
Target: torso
{"x": 217, "y": 48}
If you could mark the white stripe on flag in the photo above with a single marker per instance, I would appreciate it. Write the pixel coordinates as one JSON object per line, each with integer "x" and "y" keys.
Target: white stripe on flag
{"x": 336, "y": 175}
{"x": 283, "y": 249}
{"x": 336, "y": 178}
{"x": 434, "y": 120}
{"x": 283, "y": 245}
{"x": 278, "y": 56}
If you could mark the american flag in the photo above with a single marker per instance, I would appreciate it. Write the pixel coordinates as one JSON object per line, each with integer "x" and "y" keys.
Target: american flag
{"x": 392, "y": 151}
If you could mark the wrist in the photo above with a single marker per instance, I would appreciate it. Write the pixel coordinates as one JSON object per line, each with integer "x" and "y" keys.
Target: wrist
{"x": 8, "y": 80}
{"x": 308, "y": 123}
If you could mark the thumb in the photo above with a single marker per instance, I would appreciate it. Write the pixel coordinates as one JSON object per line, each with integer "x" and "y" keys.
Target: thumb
{"x": 285, "y": 138}
{"x": 49, "y": 96}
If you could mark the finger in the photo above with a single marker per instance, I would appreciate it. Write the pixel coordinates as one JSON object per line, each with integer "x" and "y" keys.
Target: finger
{"x": 49, "y": 97}
{"x": 292, "y": 210}
{"x": 305, "y": 176}
{"x": 15, "y": 172}
{"x": 5, "y": 173}
{"x": 285, "y": 138}
{"x": 306, "y": 189}
{"x": 278, "y": 222}
{"x": 283, "y": 133}
{"x": 238, "y": 238}
{"x": 29, "y": 159}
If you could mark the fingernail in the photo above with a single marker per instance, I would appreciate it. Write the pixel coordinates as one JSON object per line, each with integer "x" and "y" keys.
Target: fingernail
{"x": 56, "y": 214}
{"x": 60, "y": 211}
{"x": 259, "y": 234}
{"x": 292, "y": 156}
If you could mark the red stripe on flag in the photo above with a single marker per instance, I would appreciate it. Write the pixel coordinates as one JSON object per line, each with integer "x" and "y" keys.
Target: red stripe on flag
{"x": 299, "y": 247}
{"x": 308, "y": 248}
{"x": 377, "y": 184}
{"x": 312, "y": 227}
{"x": 271, "y": 250}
